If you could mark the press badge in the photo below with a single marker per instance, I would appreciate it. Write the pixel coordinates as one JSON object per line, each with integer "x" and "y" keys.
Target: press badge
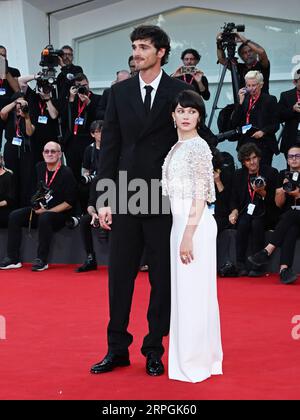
{"x": 79, "y": 121}
{"x": 17, "y": 141}
{"x": 2, "y": 92}
{"x": 299, "y": 127}
{"x": 246, "y": 128}
{"x": 43, "y": 119}
{"x": 251, "y": 209}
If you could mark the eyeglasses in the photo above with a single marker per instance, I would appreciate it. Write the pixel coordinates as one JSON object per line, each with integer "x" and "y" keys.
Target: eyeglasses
{"x": 52, "y": 151}
{"x": 296, "y": 156}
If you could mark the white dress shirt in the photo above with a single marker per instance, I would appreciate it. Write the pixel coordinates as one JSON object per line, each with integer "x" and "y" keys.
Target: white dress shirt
{"x": 154, "y": 85}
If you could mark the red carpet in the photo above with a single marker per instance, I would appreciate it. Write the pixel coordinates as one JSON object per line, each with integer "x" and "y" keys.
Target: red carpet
{"x": 56, "y": 329}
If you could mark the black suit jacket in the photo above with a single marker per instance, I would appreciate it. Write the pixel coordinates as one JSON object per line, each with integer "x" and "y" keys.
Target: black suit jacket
{"x": 290, "y": 118}
{"x": 264, "y": 116}
{"x": 133, "y": 141}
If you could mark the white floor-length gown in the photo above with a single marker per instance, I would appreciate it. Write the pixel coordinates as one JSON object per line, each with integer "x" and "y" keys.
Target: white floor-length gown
{"x": 195, "y": 349}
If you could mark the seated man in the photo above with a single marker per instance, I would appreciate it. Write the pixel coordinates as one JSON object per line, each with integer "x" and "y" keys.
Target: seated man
{"x": 87, "y": 223}
{"x": 252, "y": 203}
{"x": 7, "y": 193}
{"x": 287, "y": 230}
{"x": 50, "y": 208}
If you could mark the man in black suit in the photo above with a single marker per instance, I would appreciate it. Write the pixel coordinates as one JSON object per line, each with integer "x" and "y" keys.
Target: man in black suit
{"x": 138, "y": 133}
{"x": 289, "y": 112}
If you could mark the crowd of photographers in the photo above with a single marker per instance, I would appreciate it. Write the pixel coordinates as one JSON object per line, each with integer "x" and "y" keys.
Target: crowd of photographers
{"x": 53, "y": 141}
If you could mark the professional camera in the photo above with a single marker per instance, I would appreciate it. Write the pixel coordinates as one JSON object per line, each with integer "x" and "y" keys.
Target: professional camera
{"x": 50, "y": 57}
{"x": 188, "y": 69}
{"x": 228, "y": 37}
{"x": 258, "y": 181}
{"x": 83, "y": 90}
{"x": 25, "y": 109}
{"x": 228, "y": 270}
{"x": 41, "y": 197}
{"x": 87, "y": 179}
{"x": 293, "y": 181}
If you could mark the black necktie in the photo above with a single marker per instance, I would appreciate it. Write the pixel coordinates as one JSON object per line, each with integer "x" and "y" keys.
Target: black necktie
{"x": 147, "y": 101}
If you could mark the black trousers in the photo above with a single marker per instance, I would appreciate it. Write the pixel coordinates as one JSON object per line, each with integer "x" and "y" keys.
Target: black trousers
{"x": 248, "y": 225}
{"x": 286, "y": 234}
{"x": 129, "y": 236}
{"x": 86, "y": 233}
{"x": 47, "y": 223}
{"x": 4, "y": 214}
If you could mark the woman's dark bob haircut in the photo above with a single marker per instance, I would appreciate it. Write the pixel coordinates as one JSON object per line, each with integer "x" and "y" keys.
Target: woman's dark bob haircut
{"x": 190, "y": 99}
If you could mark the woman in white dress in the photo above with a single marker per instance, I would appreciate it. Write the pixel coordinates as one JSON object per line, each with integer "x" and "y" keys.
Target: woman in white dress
{"x": 195, "y": 350}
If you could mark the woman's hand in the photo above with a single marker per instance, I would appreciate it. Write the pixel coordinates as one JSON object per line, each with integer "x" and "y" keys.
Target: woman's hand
{"x": 186, "y": 249}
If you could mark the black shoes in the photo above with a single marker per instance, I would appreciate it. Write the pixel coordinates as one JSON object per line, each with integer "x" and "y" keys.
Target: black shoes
{"x": 256, "y": 273}
{"x": 154, "y": 365}
{"x": 39, "y": 265}
{"x": 110, "y": 362}
{"x": 8, "y": 263}
{"x": 89, "y": 264}
{"x": 260, "y": 258}
{"x": 241, "y": 269}
{"x": 287, "y": 276}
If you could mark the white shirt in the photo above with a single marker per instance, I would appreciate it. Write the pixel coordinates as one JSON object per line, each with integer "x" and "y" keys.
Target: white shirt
{"x": 154, "y": 85}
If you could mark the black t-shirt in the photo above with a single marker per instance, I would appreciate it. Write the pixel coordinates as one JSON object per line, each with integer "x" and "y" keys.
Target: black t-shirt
{"x": 91, "y": 158}
{"x": 63, "y": 186}
{"x": 38, "y": 108}
{"x": 11, "y": 129}
{"x": 5, "y": 99}
{"x": 189, "y": 79}
{"x": 243, "y": 70}
{"x": 7, "y": 189}
{"x": 289, "y": 201}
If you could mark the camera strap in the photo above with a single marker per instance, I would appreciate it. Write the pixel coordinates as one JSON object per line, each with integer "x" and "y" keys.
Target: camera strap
{"x": 252, "y": 103}
{"x": 53, "y": 176}
{"x": 18, "y": 130}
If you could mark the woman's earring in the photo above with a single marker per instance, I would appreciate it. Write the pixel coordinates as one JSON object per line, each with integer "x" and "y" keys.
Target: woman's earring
{"x": 175, "y": 125}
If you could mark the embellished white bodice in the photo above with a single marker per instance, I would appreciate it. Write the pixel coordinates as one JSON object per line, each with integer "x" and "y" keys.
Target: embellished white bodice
{"x": 187, "y": 171}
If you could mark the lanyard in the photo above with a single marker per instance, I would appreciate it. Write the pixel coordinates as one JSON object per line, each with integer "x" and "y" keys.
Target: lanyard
{"x": 81, "y": 108}
{"x": 53, "y": 176}
{"x": 252, "y": 103}
{"x": 42, "y": 106}
{"x": 298, "y": 95}
{"x": 190, "y": 82}
{"x": 1, "y": 83}
{"x": 251, "y": 191}
{"x": 18, "y": 131}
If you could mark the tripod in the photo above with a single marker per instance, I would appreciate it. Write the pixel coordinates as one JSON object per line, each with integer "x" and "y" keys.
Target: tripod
{"x": 231, "y": 64}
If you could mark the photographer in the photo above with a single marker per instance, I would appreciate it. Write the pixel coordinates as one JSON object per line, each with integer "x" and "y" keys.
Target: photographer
{"x": 90, "y": 163}
{"x": 88, "y": 222}
{"x": 253, "y": 55}
{"x": 258, "y": 111}
{"x": 287, "y": 231}
{"x": 289, "y": 112}
{"x": 190, "y": 74}
{"x": 50, "y": 208}
{"x": 68, "y": 71}
{"x": 43, "y": 109}
{"x": 252, "y": 203}
{"x": 20, "y": 152}
{"x": 7, "y": 193}
{"x": 78, "y": 113}
{"x": 8, "y": 84}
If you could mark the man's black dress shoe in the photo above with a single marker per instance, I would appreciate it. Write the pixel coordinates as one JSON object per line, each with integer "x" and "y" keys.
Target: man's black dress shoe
{"x": 154, "y": 365}
{"x": 110, "y": 362}
{"x": 89, "y": 264}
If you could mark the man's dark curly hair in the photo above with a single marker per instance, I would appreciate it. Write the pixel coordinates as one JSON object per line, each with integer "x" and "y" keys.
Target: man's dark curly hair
{"x": 157, "y": 36}
{"x": 246, "y": 151}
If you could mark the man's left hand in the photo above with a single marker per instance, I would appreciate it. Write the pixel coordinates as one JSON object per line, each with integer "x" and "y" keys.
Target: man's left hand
{"x": 258, "y": 135}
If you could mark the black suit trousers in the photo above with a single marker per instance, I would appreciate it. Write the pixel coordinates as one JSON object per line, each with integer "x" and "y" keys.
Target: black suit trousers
{"x": 128, "y": 238}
